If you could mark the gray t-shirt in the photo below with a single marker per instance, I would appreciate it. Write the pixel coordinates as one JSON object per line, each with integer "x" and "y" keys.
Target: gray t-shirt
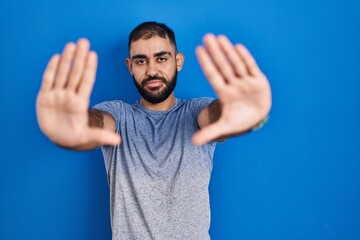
{"x": 158, "y": 179}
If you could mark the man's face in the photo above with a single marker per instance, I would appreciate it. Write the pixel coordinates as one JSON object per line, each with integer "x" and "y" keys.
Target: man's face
{"x": 154, "y": 65}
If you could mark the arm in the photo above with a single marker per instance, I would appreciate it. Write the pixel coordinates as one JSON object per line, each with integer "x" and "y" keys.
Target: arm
{"x": 63, "y": 101}
{"x": 244, "y": 95}
{"x": 212, "y": 113}
{"x": 97, "y": 119}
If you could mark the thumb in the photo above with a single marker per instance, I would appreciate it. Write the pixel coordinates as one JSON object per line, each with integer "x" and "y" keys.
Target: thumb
{"x": 104, "y": 137}
{"x": 207, "y": 134}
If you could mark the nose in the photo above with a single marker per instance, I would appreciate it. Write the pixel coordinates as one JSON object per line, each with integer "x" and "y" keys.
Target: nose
{"x": 151, "y": 69}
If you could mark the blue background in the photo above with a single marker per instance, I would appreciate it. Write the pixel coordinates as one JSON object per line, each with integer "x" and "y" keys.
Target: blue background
{"x": 298, "y": 178}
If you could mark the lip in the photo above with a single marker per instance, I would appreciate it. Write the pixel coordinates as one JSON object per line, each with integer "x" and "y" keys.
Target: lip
{"x": 154, "y": 83}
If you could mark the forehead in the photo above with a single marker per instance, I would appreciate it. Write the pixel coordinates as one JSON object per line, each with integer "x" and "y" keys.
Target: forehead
{"x": 151, "y": 46}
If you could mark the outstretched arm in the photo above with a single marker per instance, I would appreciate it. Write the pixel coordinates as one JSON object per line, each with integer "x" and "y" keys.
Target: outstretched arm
{"x": 63, "y": 101}
{"x": 244, "y": 94}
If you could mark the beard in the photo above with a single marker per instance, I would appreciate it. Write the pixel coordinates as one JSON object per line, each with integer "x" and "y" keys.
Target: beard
{"x": 158, "y": 94}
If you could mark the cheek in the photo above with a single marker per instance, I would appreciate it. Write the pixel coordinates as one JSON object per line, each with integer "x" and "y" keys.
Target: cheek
{"x": 170, "y": 70}
{"x": 138, "y": 74}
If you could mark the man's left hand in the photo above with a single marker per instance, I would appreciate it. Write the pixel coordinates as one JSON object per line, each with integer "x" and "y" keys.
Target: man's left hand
{"x": 241, "y": 87}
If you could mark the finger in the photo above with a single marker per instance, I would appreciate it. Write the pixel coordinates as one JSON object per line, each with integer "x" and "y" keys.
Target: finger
{"x": 249, "y": 60}
{"x": 104, "y": 137}
{"x": 218, "y": 57}
{"x": 207, "y": 134}
{"x": 65, "y": 65}
{"x": 235, "y": 60}
{"x": 209, "y": 69}
{"x": 79, "y": 63}
{"x": 49, "y": 73}
{"x": 88, "y": 79}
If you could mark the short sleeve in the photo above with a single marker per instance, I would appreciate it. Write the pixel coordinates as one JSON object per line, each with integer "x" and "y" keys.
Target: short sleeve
{"x": 115, "y": 108}
{"x": 112, "y": 107}
{"x": 198, "y": 104}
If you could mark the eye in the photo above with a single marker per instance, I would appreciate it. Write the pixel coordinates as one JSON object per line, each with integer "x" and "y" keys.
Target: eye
{"x": 162, "y": 59}
{"x": 140, "y": 61}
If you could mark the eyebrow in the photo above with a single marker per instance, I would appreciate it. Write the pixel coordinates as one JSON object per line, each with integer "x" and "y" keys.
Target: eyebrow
{"x": 162, "y": 53}
{"x": 158, "y": 54}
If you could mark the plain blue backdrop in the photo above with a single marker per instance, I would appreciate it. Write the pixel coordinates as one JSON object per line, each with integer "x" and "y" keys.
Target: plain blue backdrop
{"x": 297, "y": 178}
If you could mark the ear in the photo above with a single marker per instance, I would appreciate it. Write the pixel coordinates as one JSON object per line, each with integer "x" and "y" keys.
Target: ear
{"x": 179, "y": 61}
{"x": 128, "y": 64}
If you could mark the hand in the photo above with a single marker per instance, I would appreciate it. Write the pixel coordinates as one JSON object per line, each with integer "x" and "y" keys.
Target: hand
{"x": 243, "y": 90}
{"x": 63, "y": 100}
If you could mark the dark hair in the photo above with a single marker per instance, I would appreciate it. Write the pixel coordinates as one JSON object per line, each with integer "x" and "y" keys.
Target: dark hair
{"x": 147, "y": 30}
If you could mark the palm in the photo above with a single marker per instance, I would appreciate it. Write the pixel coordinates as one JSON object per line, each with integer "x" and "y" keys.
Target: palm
{"x": 243, "y": 90}
{"x": 63, "y": 115}
{"x": 63, "y": 100}
{"x": 245, "y": 103}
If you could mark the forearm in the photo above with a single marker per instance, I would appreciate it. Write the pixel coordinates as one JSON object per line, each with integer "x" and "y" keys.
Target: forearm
{"x": 212, "y": 114}
{"x": 214, "y": 111}
{"x": 96, "y": 119}
{"x": 101, "y": 119}
{"x": 81, "y": 147}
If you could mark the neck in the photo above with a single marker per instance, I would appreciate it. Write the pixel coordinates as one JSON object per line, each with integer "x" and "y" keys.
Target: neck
{"x": 162, "y": 106}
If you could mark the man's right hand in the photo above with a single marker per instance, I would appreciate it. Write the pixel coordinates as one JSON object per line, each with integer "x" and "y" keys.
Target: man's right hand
{"x": 63, "y": 100}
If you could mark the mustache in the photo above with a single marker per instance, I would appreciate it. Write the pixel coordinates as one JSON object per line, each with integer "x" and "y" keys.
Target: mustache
{"x": 150, "y": 78}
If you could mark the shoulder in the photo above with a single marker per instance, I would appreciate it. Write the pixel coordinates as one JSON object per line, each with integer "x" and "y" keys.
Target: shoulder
{"x": 195, "y": 106}
{"x": 114, "y": 107}
{"x": 197, "y": 101}
{"x": 110, "y": 104}
{"x": 198, "y": 104}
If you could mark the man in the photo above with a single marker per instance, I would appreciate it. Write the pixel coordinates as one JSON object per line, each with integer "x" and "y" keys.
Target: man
{"x": 158, "y": 152}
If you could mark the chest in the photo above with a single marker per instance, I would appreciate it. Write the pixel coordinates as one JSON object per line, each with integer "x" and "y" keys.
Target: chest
{"x": 161, "y": 144}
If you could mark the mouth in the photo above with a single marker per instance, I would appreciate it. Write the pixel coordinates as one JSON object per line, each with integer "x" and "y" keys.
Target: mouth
{"x": 153, "y": 83}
